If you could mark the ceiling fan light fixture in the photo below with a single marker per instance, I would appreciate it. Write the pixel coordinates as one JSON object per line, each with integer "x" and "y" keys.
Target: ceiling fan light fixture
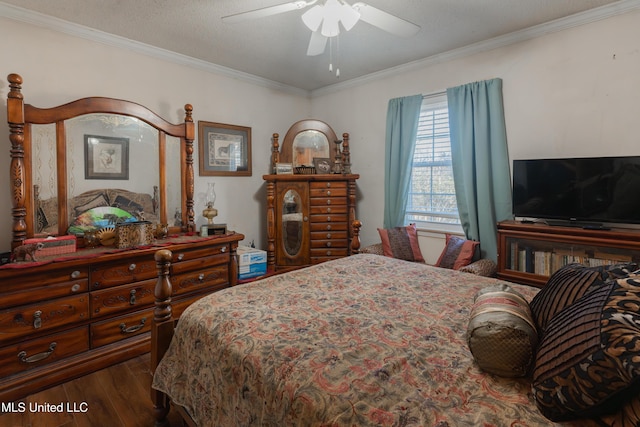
{"x": 312, "y": 18}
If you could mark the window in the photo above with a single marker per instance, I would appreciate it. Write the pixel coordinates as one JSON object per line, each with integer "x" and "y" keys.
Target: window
{"x": 432, "y": 197}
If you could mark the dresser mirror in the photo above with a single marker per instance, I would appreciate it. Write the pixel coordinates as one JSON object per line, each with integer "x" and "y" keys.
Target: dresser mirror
{"x": 96, "y": 162}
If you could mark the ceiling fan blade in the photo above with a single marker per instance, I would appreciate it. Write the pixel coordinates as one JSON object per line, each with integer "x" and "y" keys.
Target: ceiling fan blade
{"x": 385, "y": 21}
{"x": 317, "y": 44}
{"x": 267, "y": 11}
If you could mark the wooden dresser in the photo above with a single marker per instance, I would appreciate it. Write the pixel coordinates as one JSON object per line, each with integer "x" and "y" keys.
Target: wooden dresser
{"x": 90, "y": 309}
{"x": 309, "y": 218}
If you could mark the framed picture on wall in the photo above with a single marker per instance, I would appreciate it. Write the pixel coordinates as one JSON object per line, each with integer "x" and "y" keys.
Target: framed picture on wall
{"x": 106, "y": 157}
{"x": 224, "y": 149}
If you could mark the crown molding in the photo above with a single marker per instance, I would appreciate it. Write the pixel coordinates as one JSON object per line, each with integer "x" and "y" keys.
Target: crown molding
{"x": 51, "y": 23}
{"x": 557, "y": 25}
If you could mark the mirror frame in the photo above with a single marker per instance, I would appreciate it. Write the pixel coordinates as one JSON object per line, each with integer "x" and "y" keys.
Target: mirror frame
{"x": 285, "y": 155}
{"x": 21, "y": 116}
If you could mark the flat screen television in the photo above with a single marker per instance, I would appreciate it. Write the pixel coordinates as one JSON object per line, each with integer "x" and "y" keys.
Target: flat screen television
{"x": 593, "y": 191}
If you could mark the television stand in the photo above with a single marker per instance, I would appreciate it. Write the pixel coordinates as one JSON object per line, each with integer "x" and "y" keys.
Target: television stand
{"x": 529, "y": 253}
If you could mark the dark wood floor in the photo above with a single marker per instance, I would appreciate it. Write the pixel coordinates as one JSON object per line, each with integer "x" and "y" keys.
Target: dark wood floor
{"x": 116, "y": 396}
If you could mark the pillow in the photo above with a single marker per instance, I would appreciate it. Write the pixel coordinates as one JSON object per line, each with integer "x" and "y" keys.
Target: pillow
{"x": 587, "y": 362}
{"x": 568, "y": 284}
{"x": 401, "y": 243}
{"x": 457, "y": 252}
{"x": 501, "y": 334}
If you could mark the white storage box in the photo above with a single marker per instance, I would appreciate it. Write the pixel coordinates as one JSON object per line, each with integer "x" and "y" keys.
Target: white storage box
{"x": 252, "y": 262}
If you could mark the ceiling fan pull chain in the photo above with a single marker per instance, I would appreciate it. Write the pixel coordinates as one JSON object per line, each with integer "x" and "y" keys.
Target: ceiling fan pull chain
{"x": 338, "y": 56}
{"x": 331, "y": 55}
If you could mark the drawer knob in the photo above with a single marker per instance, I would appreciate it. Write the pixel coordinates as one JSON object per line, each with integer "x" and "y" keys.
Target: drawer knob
{"x": 180, "y": 257}
{"x": 328, "y": 192}
{"x": 328, "y": 244}
{"x": 223, "y": 249}
{"x": 328, "y": 202}
{"x": 328, "y": 219}
{"x": 328, "y": 253}
{"x": 75, "y": 287}
{"x": 37, "y": 320}
{"x": 132, "y": 329}
{"x": 132, "y": 297}
{"x": 37, "y": 357}
{"x": 328, "y": 184}
{"x": 305, "y": 219}
{"x": 132, "y": 267}
{"x": 75, "y": 274}
{"x": 328, "y": 210}
{"x": 201, "y": 277}
{"x": 328, "y": 235}
{"x": 328, "y": 226}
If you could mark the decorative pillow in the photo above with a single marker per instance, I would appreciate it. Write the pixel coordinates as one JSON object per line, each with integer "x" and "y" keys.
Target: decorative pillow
{"x": 401, "y": 243}
{"x": 457, "y": 252}
{"x": 501, "y": 334}
{"x": 570, "y": 283}
{"x": 587, "y": 362}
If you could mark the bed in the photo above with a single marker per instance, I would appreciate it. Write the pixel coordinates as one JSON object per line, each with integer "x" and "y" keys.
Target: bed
{"x": 359, "y": 341}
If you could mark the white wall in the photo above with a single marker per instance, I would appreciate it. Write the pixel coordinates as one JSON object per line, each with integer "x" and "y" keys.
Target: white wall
{"x": 571, "y": 93}
{"x": 58, "y": 68}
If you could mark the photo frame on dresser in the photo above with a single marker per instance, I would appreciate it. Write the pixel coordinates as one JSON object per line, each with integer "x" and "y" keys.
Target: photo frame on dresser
{"x": 224, "y": 149}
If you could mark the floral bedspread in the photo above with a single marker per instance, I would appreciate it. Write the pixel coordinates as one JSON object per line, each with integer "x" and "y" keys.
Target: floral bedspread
{"x": 361, "y": 341}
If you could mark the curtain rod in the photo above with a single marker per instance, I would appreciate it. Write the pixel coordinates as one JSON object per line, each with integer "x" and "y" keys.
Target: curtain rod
{"x": 434, "y": 94}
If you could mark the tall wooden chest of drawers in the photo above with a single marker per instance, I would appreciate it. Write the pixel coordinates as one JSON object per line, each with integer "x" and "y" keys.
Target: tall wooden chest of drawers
{"x": 63, "y": 318}
{"x": 309, "y": 218}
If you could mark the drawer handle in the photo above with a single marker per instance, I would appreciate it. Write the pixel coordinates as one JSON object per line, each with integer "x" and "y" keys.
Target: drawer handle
{"x": 328, "y": 184}
{"x": 75, "y": 287}
{"x": 201, "y": 277}
{"x": 37, "y": 320}
{"x": 328, "y": 253}
{"x": 328, "y": 235}
{"x": 328, "y": 210}
{"x": 328, "y": 219}
{"x": 305, "y": 219}
{"x": 75, "y": 274}
{"x": 37, "y": 357}
{"x": 328, "y": 202}
{"x": 223, "y": 249}
{"x": 180, "y": 257}
{"x": 328, "y": 244}
{"x": 328, "y": 226}
{"x": 328, "y": 192}
{"x": 132, "y": 267}
{"x": 132, "y": 297}
{"x": 132, "y": 329}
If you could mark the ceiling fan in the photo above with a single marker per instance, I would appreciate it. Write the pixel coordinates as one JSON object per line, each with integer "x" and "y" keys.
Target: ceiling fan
{"x": 324, "y": 19}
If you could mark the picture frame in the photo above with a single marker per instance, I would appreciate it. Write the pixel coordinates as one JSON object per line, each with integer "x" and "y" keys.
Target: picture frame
{"x": 323, "y": 165}
{"x": 284, "y": 168}
{"x": 106, "y": 157}
{"x": 224, "y": 149}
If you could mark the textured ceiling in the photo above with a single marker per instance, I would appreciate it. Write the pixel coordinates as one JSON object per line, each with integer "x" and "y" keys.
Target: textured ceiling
{"x": 275, "y": 47}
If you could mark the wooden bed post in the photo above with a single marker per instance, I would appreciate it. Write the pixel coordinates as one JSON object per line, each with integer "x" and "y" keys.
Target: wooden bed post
{"x": 15, "y": 118}
{"x": 161, "y": 331}
{"x": 355, "y": 242}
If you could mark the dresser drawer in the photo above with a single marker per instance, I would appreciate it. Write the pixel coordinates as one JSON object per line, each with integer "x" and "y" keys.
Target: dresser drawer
{"x": 213, "y": 279}
{"x": 15, "y": 281}
{"x": 327, "y": 201}
{"x": 338, "y": 218}
{"x": 199, "y": 263}
{"x": 319, "y": 185}
{"x": 122, "y": 298}
{"x": 119, "y": 328}
{"x": 45, "y": 292}
{"x": 29, "y": 319}
{"x": 324, "y": 254}
{"x": 325, "y": 192}
{"x": 181, "y": 256}
{"x": 119, "y": 273}
{"x": 328, "y": 226}
{"x": 329, "y": 235}
{"x": 329, "y": 243}
{"x": 42, "y": 351}
{"x": 328, "y": 209}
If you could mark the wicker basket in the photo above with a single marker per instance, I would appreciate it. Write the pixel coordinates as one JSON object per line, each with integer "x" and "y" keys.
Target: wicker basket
{"x": 305, "y": 170}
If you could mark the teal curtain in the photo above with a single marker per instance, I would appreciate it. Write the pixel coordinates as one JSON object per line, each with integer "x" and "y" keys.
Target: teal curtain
{"x": 400, "y": 139}
{"x": 480, "y": 160}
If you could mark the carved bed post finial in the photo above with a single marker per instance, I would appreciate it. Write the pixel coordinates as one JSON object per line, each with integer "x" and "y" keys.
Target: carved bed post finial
{"x": 162, "y": 329}
{"x": 355, "y": 242}
{"x": 275, "y": 152}
{"x": 15, "y": 118}
{"x": 189, "y": 215}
